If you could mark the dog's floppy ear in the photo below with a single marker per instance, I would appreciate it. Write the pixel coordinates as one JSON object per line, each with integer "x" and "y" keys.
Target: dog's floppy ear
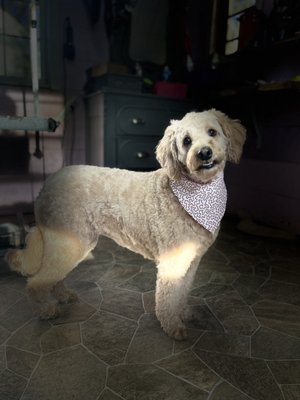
{"x": 235, "y": 132}
{"x": 166, "y": 152}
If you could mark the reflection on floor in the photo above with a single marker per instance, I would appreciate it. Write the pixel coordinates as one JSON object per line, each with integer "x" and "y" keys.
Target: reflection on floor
{"x": 243, "y": 344}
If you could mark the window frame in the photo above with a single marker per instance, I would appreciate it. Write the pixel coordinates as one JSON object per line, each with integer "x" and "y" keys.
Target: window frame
{"x": 11, "y": 80}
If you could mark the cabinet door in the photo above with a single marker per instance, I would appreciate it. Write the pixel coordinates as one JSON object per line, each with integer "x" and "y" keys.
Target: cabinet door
{"x": 137, "y": 153}
{"x": 146, "y": 114}
{"x": 139, "y": 120}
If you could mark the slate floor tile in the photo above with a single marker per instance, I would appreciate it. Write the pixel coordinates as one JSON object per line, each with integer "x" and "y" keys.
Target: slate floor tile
{"x": 192, "y": 337}
{"x": 108, "y": 336}
{"x": 4, "y": 334}
{"x": 147, "y": 382}
{"x": 286, "y": 372}
{"x": 291, "y": 392}
{"x": 109, "y": 395}
{"x": 214, "y": 256}
{"x": 68, "y": 374}
{"x": 118, "y": 273}
{"x": 13, "y": 281}
{"x": 286, "y": 270}
{"x": 224, "y": 391}
{"x": 88, "y": 272}
{"x": 263, "y": 269}
{"x": 28, "y": 337}
{"x": 282, "y": 292}
{"x": 203, "y": 319}
{"x": 144, "y": 281}
{"x": 17, "y": 315}
{"x": 11, "y": 385}
{"x": 21, "y": 362}
{"x": 91, "y": 295}
{"x": 74, "y": 312}
{"x": 123, "y": 302}
{"x": 8, "y": 297}
{"x": 60, "y": 337}
{"x": 242, "y": 263}
{"x": 223, "y": 343}
{"x": 202, "y": 276}
{"x": 186, "y": 365}
{"x": 247, "y": 286}
{"x": 149, "y": 301}
{"x": 121, "y": 254}
{"x": 234, "y": 314}
{"x": 279, "y": 316}
{"x": 211, "y": 290}
{"x": 149, "y": 343}
{"x": 2, "y": 359}
{"x": 250, "y": 376}
{"x": 272, "y": 345}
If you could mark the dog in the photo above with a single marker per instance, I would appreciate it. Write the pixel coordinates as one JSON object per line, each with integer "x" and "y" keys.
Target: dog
{"x": 171, "y": 215}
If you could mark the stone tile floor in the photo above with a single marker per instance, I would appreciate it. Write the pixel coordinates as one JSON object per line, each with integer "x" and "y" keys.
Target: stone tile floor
{"x": 243, "y": 344}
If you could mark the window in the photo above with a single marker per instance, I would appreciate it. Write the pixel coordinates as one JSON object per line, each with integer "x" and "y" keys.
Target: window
{"x": 15, "y": 41}
{"x": 236, "y": 9}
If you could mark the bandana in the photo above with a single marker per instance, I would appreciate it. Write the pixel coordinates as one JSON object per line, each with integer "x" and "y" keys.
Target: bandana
{"x": 205, "y": 202}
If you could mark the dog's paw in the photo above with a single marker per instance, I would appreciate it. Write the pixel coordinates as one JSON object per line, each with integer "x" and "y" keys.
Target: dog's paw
{"x": 176, "y": 330}
{"x": 179, "y": 334}
{"x": 50, "y": 312}
{"x": 68, "y": 297}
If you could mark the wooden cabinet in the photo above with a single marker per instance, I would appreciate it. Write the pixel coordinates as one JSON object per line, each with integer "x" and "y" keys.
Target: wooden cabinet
{"x": 124, "y": 128}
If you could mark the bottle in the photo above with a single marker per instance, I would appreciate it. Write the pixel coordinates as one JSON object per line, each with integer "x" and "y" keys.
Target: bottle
{"x": 167, "y": 74}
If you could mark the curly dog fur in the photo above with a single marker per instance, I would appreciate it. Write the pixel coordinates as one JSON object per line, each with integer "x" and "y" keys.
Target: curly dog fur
{"x": 136, "y": 209}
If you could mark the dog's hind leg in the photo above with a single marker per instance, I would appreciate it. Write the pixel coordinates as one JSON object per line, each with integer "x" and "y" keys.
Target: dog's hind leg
{"x": 62, "y": 251}
{"x": 62, "y": 294}
{"x": 176, "y": 271}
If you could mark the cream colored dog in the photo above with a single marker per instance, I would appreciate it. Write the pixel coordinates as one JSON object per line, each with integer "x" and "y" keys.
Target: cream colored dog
{"x": 139, "y": 210}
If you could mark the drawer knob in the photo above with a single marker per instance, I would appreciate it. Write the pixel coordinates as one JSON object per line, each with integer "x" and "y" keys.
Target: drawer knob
{"x": 142, "y": 154}
{"x": 137, "y": 121}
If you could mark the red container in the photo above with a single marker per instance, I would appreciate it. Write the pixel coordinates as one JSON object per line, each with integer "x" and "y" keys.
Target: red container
{"x": 170, "y": 89}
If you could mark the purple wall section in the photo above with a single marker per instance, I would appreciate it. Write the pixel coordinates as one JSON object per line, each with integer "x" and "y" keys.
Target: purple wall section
{"x": 268, "y": 191}
{"x": 267, "y": 181}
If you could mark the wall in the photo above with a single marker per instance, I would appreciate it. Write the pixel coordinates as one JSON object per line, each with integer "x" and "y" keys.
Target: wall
{"x": 18, "y": 189}
{"x": 267, "y": 182}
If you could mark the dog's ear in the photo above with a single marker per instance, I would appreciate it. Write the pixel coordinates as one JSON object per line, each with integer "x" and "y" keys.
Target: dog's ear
{"x": 166, "y": 152}
{"x": 235, "y": 132}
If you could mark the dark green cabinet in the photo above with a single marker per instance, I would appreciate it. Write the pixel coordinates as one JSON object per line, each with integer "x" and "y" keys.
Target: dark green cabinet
{"x": 124, "y": 128}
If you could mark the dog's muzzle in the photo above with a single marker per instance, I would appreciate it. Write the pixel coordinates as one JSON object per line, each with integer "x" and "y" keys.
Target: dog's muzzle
{"x": 205, "y": 155}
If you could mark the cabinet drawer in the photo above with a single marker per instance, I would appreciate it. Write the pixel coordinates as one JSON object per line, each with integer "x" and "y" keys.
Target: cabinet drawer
{"x": 138, "y": 120}
{"x": 137, "y": 153}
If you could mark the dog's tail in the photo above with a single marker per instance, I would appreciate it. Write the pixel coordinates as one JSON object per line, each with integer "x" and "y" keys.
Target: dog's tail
{"x": 28, "y": 260}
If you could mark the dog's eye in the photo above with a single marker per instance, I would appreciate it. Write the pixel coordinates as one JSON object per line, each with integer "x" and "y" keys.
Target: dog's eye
{"x": 187, "y": 141}
{"x": 212, "y": 132}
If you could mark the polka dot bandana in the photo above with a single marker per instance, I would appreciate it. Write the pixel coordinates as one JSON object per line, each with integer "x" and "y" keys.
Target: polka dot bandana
{"x": 205, "y": 202}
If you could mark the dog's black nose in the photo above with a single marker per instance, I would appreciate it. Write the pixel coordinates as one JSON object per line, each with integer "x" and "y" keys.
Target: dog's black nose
{"x": 205, "y": 153}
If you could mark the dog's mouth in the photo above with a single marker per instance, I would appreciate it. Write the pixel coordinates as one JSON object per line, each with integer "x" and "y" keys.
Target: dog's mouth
{"x": 207, "y": 165}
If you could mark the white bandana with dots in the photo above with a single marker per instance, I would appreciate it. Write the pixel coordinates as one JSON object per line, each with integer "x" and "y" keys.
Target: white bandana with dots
{"x": 205, "y": 202}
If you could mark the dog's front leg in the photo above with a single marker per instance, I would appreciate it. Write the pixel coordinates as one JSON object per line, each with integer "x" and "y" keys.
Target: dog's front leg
{"x": 176, "y": 271}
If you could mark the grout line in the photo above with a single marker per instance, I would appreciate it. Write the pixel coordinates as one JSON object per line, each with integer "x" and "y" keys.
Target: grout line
{"x": 181, "y": 378}
{"x": 222, "y": 378}
{"x": 275, "y": 380}
{"x": 132, "y": 338}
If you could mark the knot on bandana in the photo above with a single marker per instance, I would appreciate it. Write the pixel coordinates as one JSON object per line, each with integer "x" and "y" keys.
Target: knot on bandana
{"x": 205, "y": 202}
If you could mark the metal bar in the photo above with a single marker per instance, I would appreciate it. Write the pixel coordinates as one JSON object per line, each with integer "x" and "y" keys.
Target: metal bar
{"x": 28, "y": 124}
{"x": 34, "y": 56}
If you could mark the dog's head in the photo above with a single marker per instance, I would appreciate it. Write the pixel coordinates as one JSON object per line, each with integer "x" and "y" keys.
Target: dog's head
{"x": 199, "y": 145}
